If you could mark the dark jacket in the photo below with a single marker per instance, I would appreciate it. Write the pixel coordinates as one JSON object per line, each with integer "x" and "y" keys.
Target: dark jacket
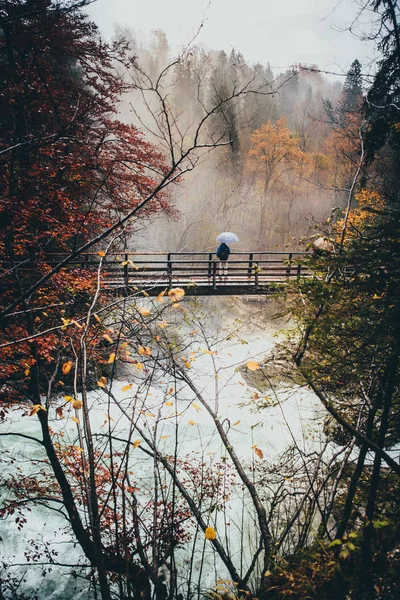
{"x": 223, "y": 252}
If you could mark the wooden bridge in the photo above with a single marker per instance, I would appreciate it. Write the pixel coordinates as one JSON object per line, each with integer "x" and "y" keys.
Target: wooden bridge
{"x": 199, "y": 273}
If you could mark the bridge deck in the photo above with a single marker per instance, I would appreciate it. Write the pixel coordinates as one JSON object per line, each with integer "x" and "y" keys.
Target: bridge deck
{"x": 199, "y": 273}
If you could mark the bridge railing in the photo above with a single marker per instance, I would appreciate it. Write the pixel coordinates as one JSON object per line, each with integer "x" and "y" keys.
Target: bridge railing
{"x": 200, "y": 268}
{"x": 142, "y": 269}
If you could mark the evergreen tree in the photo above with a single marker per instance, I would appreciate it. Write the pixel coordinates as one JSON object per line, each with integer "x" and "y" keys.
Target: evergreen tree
{"x": 352, "y": 89}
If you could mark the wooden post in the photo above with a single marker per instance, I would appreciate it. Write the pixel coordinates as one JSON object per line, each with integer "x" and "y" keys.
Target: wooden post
{"x": 210, "y": 264}
{"x": 250, "y": 265}
{"x": 169, "y": 270}
{"x": 214, "y": 275}
{"x": 256, "y": 276}
{"x": 298, "y": 270}
{"x": 289, "y": 265}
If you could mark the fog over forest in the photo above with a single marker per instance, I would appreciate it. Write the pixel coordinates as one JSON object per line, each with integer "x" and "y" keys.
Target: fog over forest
{"x": 229, "y": 189}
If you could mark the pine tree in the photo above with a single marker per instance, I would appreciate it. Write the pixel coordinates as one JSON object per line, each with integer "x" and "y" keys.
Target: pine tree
{"x": 352, "y": 89}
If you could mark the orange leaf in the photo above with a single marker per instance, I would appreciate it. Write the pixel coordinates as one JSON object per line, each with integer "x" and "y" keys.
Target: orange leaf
{"x": 111, "y": 358}
{"x": 102, "y": 382}
{"x": 259, "y": 452}
{"x": 162, "y": 324}
{"x": 192, "y": 422}
{"x": 108, "y": 338}
{"x": 101, "y": 253}
{"x": 67, "y": 367}
{"x": 36, "y": 408}
{"x": 74, "y": 419}
{"x": 169, "y": 403}
{"x": 160, "y": 296}
{"x": 144, "y": 312}
{"x": 237, "y": 423}
{"x": 176, "y": 294}
{"x": 136, "y": 443}
{"x": 144, "y": 350}
{"x": 127, "y": 387}
{"x": 77, "y": 404}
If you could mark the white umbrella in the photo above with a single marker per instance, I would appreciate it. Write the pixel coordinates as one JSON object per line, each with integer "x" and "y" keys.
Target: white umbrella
{"x": 227, "y": 238}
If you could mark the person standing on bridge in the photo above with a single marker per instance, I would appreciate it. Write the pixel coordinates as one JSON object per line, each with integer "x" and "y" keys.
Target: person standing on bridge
{"x": 224, "y": 251}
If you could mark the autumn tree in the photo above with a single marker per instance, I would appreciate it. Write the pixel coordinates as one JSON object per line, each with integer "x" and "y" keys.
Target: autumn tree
{"x": 69, "y": 171}
{"x": 274, "y": 152}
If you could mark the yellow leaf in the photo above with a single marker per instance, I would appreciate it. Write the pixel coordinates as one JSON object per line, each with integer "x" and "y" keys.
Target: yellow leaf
{"x": 162, "y": 324}
{"x": 101, "y": 253}
{"x": 192, "y": 422}
{"x": 36, "y": 408}
{"x": 209, "y": 352}
{"x": 144, "y": 312}
{"x": 169, "y": 403}
{"x": 124, "y": 263}
{"x": 124, "y": 345}
{"x": 210, "y": 533}
{"x": 252, "y": 365}
{"x": 111, "y": 358}
{"x": 69, "y": 398}
{"x": 127, "y": 387}
{"x": 74, "y": 419}
{"x": 78, "y": 448}
{"x": 132, "y": 264}
{"x": 96, "y": 317}
{"x": 108, "y": 338}
{"x": 236, "y": 423}
{"x": 139, "y": 365}
{"x": 194, "y": 332}
{"x": 144, "y": 350}
{"x": 27, "y": 371}
{"x": 197, "y": 408}
{"x": 77, "y": 404}
{"x": 117, "y": 258}
{"x": 187, "y": 364}
{"x": 176, "y": 294}
{"x": 67, "y": 367}
{"x": 102, "y": 382}
{"x": 136, "y": 443}
{"x": 175, "y": 305}
{"x": 160, "y": 296}
{"x": 164, "y": 437}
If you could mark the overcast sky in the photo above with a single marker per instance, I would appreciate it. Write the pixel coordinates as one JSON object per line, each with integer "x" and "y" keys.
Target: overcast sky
{"x": 281, "y": 32}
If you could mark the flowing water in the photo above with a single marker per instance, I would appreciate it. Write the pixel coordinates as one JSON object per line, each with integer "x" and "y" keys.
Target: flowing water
{"x": 185, "y": 427}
